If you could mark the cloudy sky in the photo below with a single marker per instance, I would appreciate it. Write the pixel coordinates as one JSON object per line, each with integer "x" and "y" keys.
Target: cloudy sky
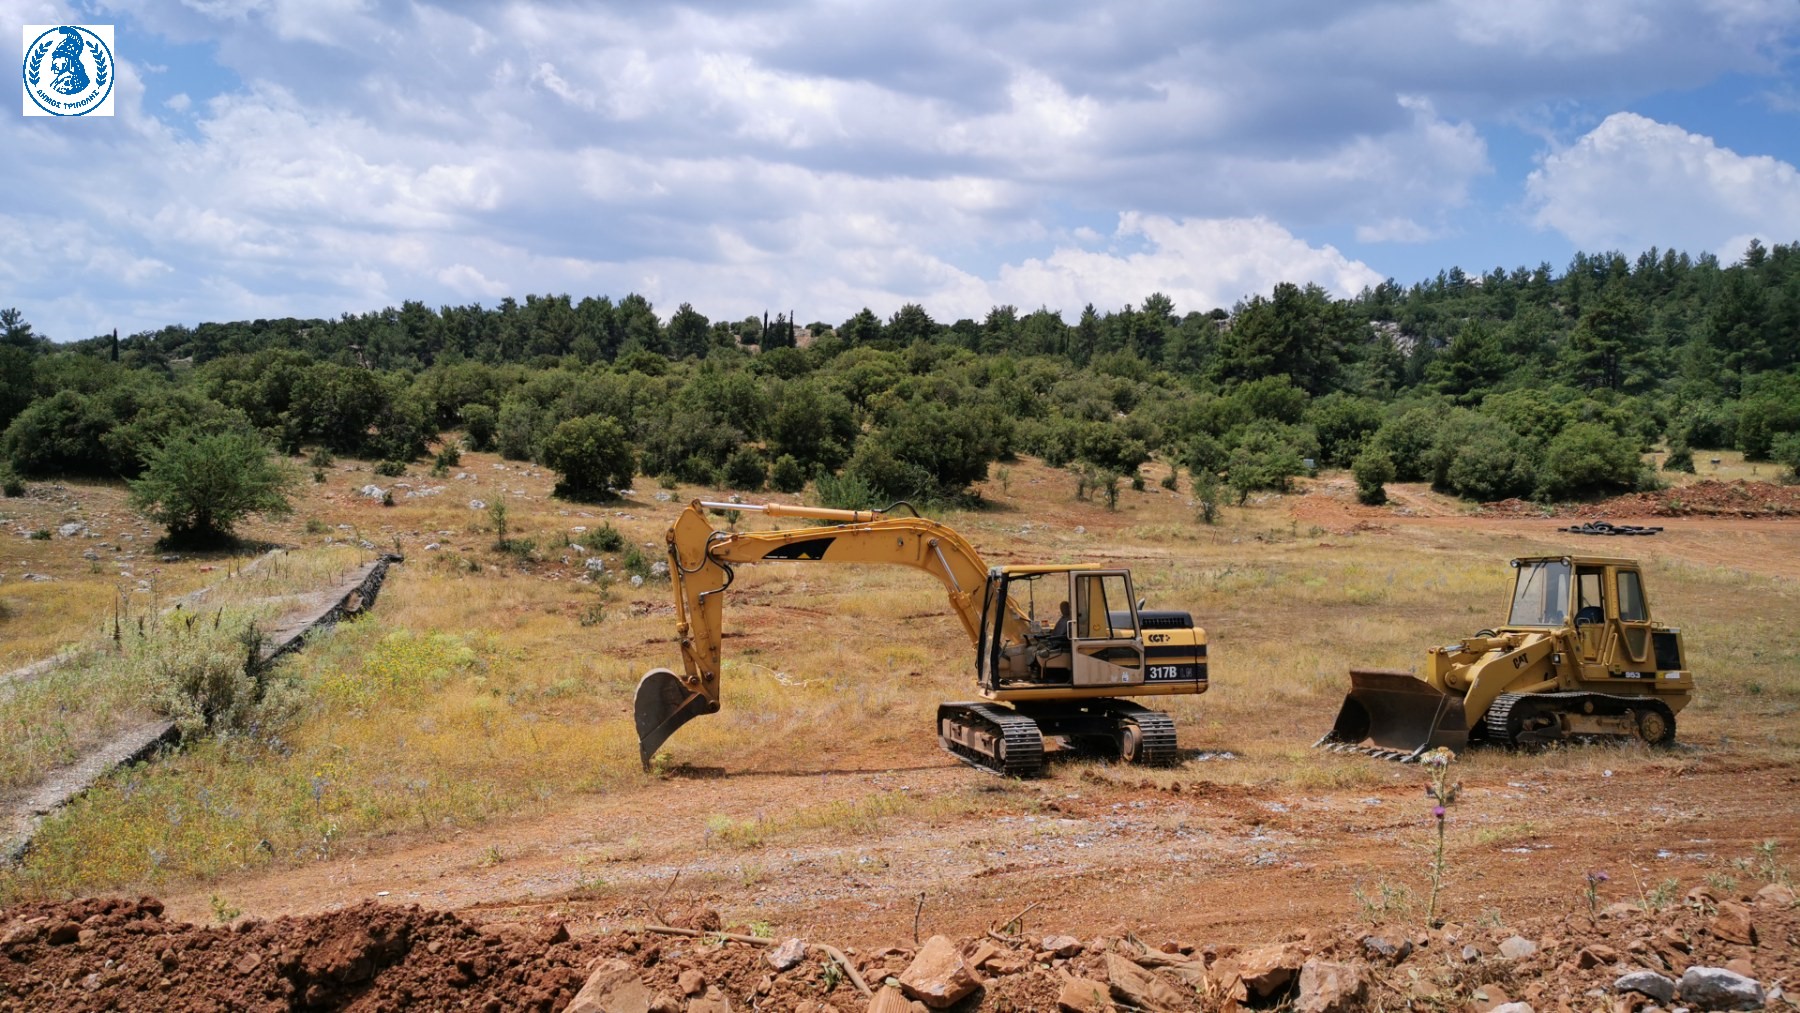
{"x": 310, "y": 157}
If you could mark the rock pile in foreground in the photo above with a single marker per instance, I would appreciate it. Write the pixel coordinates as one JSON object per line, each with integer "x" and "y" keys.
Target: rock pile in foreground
{"x": 1707, "y": 953}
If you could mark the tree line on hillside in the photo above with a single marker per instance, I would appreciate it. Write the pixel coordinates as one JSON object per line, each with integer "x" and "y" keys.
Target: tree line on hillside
{"x": 1512, "y": 383}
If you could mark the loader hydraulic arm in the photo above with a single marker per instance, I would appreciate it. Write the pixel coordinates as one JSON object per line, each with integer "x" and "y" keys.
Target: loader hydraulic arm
{"x": 701, "y": 561}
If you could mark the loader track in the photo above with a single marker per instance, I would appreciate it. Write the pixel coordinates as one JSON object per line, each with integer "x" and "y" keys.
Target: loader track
{"x": 1507, "y": 716}
{"x": 1014, "y": 737}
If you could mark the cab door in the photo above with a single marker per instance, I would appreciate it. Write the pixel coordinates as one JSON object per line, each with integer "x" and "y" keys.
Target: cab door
{"x": 1593, "y": 621}
{"x": 1107, "y": 646}
{"x": 1633, "y": 624}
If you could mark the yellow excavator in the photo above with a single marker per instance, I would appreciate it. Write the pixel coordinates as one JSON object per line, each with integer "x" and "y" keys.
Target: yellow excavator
{"x": 1579, "y": 657}
{"x": 1038, "y": 673}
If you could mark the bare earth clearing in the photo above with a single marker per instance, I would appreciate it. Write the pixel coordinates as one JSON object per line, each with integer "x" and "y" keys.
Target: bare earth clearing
{"x": 842, "y": 822}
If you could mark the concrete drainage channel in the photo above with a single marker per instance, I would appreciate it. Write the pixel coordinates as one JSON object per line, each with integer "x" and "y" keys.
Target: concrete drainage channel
{"x": 310, "y": 612}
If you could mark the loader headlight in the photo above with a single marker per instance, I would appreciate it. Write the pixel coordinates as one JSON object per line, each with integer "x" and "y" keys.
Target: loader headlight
{"x": 1556, "y": 658}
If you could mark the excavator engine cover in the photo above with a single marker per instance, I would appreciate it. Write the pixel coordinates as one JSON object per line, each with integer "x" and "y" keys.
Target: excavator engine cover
{"x": 1388, "y": 712}
{"x": 663, "y": 705}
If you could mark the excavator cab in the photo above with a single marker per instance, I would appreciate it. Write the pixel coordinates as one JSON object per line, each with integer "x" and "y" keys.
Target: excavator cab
{"x": 1025, "y": 640}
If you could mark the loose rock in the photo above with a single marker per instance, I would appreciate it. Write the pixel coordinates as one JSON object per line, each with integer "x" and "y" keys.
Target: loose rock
{"x": 787, "y": 956}
{"x": 1135, "y": 986}
{"x": 613, "y": 987}
{"x": 1517, "y": 948}
{"x": 938, "y": 976}
{"x": 1327, "y": 987}
{"x": 1732, "y": 924}
{"x": 1083, "y": 995}
{"x": 1647, "y": 983}
{"x": 1715, "y": 988}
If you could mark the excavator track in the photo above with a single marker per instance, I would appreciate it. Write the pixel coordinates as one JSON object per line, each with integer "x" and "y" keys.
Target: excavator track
{"x": 1149, "y": 735}
{"x": 1528, "y": 719}
{"x": 994, "y": 739}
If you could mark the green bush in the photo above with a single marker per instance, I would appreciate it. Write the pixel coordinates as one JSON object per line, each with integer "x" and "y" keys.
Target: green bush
{"x": 479, "y": 426}
{"x": 1204, "y": 453}
{"x": 1408, "y": 441}
{"x": 846, "y": 492}
{"x": 1680, "y": 457}
{"x": 592, "y": 456}
{"x": 391, "y": 469}
{"x": 1373, "y": 469}
{"x": 746, "y": 469}
{"x": 448, "y": 456}
{"x": 200, "y": 486}
{"x": 787, "y": 475}
{"x": 1490, "y": 464}
{"x": 1785, "y": 451}
{"x": 604, "y": 538}
{"x": 1266, "y": 457}
{"x": 11, "y": 484}
{"x": 1585, "y": 459}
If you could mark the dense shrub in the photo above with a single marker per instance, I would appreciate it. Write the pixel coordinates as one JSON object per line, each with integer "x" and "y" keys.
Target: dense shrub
{"x": 1785, "y": 451}
{"x": 1586, "y": 459}
{"x": 787, "y": 475}
{"x": 1409, "y": 439}
{"x": 1489, "y": 463}
{"x": 746, "y": 469}
{"x": 1373, "y": 469}
{"x": 592, "y": 456}
{"x": 1267, "y": 457}
{"x": 479, "y": 424}
{"x": 1680, "y": 457}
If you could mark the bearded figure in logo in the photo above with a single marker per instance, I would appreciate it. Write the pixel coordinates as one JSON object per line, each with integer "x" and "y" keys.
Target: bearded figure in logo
{"x": 70, "y": 77}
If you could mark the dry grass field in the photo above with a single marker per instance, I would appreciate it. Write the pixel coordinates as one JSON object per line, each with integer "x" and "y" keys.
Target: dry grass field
{"x": 469, "y": 743}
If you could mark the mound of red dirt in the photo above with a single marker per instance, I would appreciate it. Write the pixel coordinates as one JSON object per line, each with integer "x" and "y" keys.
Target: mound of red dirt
{"x": 1708, "y": 498}
{"x": 122, "y": 955}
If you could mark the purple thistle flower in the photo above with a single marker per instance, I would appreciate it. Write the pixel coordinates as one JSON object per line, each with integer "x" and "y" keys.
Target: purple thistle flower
{"x": 1438, "y": 812}
{"x": 1598, "y": 876}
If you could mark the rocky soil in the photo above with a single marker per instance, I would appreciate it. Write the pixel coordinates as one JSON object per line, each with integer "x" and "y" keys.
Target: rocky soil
{"x": 1705, "y": 951}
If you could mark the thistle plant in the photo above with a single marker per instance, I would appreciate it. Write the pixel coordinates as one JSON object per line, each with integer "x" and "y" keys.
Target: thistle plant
{"x": 1442, "y": 793}
{"x": 1594, "y": 879}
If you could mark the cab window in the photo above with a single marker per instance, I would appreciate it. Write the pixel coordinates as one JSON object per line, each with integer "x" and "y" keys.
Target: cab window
{"x": 1590, "y": 596}
{"x": 1631, "y": 598}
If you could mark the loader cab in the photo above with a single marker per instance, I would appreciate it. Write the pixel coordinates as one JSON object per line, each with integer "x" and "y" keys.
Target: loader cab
{"x": 1018, "y": 643}
{"x": 1602, "y": 599}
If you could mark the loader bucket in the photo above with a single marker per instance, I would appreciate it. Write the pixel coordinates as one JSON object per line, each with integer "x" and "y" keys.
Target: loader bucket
{"x": 1396, "y": 715}
{"x": 663, "y": 705}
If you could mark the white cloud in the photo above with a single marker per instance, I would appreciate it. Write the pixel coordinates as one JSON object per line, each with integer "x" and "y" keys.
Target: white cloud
{"x": 1632, "y": 183}
{"x": 804, "y": 153}
{"x": 1199, "y": 263}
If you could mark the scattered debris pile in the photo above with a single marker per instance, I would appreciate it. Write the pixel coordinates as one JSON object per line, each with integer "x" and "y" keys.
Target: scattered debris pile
{"x": 1609, "y": 528}
{"x": 1712, "y": 952}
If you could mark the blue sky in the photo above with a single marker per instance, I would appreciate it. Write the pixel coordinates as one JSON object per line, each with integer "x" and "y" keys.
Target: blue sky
{"x": 312, "y": 157}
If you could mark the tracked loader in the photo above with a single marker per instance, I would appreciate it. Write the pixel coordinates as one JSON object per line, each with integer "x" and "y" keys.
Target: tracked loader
{"x": 1579, "y": 657}
{"x": 1037, "y": 674}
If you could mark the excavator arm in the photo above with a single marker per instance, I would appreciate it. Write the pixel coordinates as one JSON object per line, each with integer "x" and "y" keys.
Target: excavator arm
{"x": 701, "y": 562}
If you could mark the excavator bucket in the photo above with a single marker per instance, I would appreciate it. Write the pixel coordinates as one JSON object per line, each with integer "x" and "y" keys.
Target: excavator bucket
{"x": 1396, "y": 716}
{"x": 663, "y": 705}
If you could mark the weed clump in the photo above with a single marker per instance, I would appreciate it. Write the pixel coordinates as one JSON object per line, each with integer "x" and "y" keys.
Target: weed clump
{"x": 207, "y": 674}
